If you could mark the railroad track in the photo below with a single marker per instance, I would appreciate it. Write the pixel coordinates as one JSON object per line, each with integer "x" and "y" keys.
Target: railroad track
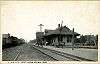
{"x": 60, "y": 56}
{"x": 19, "y": 51}
{"x": 28, "y": 53}
{"x": 45, "y": 54}
{"x": 16, "y": 56}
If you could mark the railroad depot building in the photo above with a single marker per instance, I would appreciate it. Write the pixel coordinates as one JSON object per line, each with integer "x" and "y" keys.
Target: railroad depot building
{"x": 61, "y": 34}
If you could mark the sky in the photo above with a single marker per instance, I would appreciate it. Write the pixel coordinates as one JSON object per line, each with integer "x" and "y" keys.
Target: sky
{"x": 21, "y": 18}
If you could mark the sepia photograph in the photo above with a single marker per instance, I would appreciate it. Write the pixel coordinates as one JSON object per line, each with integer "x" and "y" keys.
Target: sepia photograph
{"x": 49, "y": 31}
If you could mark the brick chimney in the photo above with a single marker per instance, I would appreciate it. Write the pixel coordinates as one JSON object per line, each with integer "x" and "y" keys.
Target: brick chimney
{"x": 58, "y": 25}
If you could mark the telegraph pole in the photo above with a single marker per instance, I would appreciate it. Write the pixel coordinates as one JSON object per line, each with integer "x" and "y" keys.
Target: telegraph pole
{"x": 39, "y": 38}
{"x": 60, "y": 33}
{"x": 41, "y": 27}
{"x": 73, "y": 40}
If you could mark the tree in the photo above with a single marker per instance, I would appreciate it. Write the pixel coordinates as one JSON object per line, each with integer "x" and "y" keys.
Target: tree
{"x": 83, "y": 39}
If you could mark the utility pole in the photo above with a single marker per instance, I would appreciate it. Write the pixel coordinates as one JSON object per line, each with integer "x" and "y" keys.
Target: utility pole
{"x": 41, "y": 27}
{"x": 73, "y": 39}
{"x": 39, "y": 39}
{"x": 60, "y": 34}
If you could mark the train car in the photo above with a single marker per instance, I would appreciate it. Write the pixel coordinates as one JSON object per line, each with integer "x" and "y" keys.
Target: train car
{"x": 9, "y": 41}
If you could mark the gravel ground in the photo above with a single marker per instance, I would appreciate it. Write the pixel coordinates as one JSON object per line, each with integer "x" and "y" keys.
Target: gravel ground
{"x": 9, "y": 54}
{"x": 54, "y": 55}
{"x": 27, "y": 53}
{"x": 91, "y": 54}
{"x": 31, "y": 54}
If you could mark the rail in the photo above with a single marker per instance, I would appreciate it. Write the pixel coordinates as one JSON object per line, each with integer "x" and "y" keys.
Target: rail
{"x": 69, "y": 56}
